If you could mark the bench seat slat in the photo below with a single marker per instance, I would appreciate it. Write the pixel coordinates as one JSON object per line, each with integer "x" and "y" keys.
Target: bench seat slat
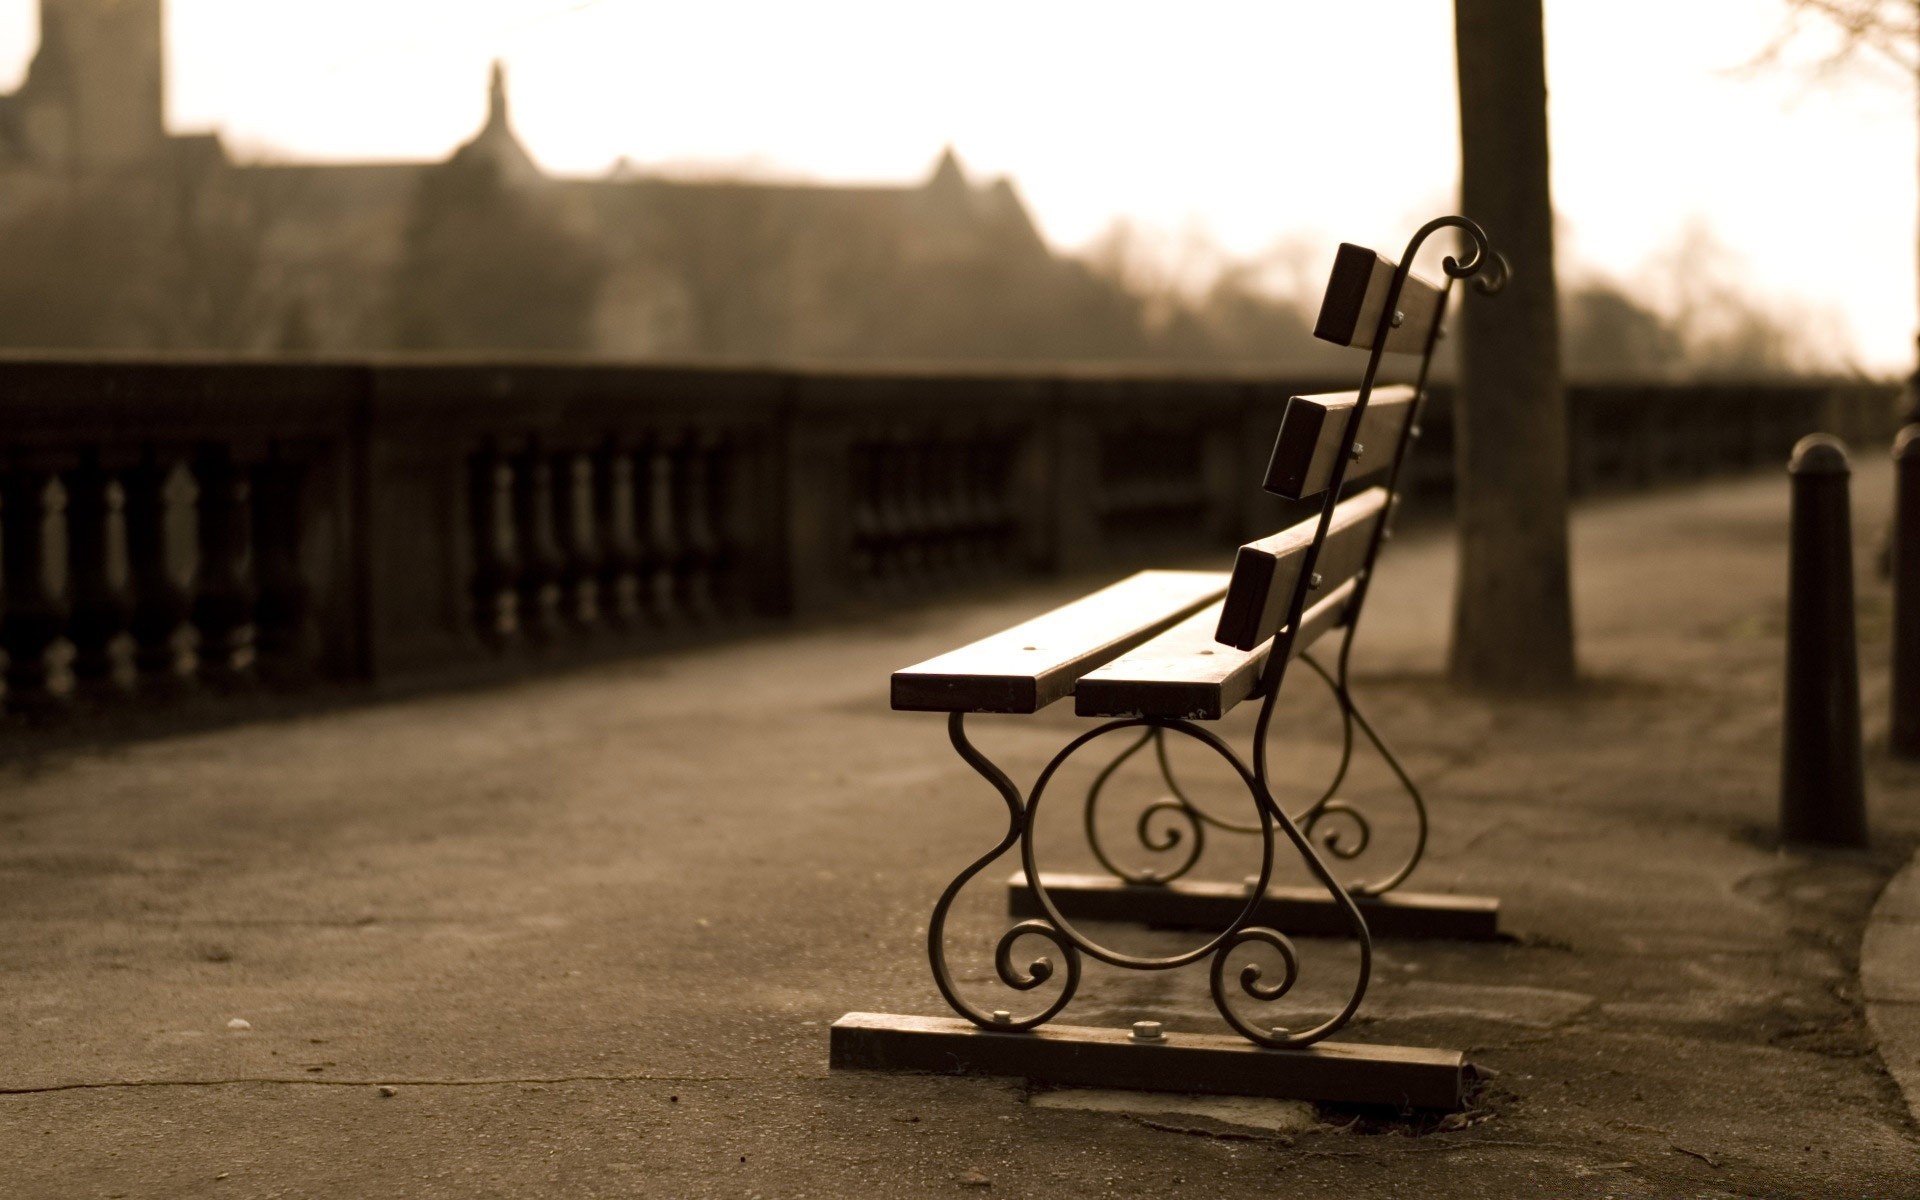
{"x": 1185, "y": 674}
{"x": 1313, "y": 428}
{"x": 1027, "y": 667}
{"x": 1266, "y": 572}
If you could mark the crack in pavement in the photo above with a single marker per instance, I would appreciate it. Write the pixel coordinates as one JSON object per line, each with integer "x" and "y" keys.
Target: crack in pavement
{"x": 387, "y": 1081}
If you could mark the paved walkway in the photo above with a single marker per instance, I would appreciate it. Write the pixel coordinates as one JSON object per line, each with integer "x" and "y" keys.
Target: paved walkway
{"x": 583, "y": 936}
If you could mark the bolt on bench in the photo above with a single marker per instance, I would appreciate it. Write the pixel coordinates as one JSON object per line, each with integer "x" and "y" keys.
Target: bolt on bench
{"x": 1156, "y": 653}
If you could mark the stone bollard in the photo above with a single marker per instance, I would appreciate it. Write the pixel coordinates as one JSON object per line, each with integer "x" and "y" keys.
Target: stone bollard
{"x": 1903, "y": 737}
{"x": 1822, "y": 778}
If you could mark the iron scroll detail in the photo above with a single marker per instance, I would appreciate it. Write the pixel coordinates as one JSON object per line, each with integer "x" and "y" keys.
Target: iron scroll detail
{"x": 1341, "y": 828}
{"x": 1040, "y": 969}
{"x": 1072, "y": 943}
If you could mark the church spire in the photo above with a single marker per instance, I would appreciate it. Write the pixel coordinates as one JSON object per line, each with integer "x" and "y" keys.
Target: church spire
{"x": 497, "y": 96}
{"x": 495, "y": 143}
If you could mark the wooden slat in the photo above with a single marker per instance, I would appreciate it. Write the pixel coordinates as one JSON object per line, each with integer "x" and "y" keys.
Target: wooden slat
{"x": 1313, "y": 430}
{"x": 1217, "y": 1063}
{"x": 1356, "y": 296}
{"x": 1265, "y": 572}
{"x": 1185, "y": 674}
{"x": 1027, "y": 667}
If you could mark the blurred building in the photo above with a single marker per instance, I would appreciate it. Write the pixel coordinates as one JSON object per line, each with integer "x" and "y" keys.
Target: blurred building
{"x": 118, "y": 234}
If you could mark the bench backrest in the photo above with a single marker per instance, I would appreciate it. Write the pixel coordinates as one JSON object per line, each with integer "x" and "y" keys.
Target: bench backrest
{"x": 1267, "y": 573}
{"x": 1326, "y": 442}
{"x": 1356, "y": 300}
{"x": 1313, "y": 430}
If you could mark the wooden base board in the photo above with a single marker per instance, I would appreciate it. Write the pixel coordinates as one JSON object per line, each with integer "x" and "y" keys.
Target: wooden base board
{"x": 1310, "y": 911}
{"x": 1399, "y": 1077}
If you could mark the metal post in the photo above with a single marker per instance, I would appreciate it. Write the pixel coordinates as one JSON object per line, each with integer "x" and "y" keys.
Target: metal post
{"x": 1822, "y": 779}
{"x": 1903, "y": 738}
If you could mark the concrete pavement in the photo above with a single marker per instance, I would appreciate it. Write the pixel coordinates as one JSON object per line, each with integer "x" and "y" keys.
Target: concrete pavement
{"x": 583, "y": 935}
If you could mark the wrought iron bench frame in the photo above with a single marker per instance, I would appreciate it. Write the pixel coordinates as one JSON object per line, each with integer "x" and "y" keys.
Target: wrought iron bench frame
{"x": 1165, "y": 897}
{"x": 1272, "y": 1060}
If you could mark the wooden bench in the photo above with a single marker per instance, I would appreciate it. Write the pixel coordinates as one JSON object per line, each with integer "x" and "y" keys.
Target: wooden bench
{"x": 1156, "y": 654}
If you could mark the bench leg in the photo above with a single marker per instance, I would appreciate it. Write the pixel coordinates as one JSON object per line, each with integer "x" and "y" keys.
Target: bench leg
{"x": 1271, "y": 1060}
{"x": 1159, "y": 896}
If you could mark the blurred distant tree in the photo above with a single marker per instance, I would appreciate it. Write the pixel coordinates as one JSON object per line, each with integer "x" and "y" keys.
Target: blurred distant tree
{"x": 1513, "y": 611}
{"x": 485, "y": 264}
{"x": 1236, "y": 321}
{"x": 181, "y": 260}
{"x": 1196, "y": 304}
{"x": 1888, "y": 30}
{"x": 77, "y": 272}
{"x": 217, "y": 287}
{"x": 1707, "y": 323}
{"x": 1607, "y": 335}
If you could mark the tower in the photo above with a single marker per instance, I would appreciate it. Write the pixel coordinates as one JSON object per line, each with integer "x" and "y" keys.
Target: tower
{"x": 94, "y": 96}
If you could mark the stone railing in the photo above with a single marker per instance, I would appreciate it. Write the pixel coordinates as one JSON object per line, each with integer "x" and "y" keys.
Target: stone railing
{"x": 234, "y": 524}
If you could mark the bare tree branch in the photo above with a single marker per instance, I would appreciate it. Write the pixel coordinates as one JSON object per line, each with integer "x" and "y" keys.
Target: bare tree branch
{"x": 1886, "y": 29}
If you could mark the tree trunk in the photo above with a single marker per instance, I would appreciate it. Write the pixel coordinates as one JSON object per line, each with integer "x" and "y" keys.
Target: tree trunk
{"x": 1910, "y": 398}
{"x": 1513, "y": 618}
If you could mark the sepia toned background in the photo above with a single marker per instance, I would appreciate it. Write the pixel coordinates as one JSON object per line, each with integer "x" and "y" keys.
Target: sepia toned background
{"x": 745, "y": 183}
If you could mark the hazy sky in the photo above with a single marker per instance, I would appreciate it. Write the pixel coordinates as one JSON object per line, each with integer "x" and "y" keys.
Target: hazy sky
{"x": 1259, "y": 121}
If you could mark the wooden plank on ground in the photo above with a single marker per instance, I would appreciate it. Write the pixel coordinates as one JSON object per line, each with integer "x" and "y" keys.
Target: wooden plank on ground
{"x": 1357, "y": 295}
{"x": 1266, "y": 572}
{"x": 1186, "y": 674}
{"x": 1313, "y": 429}
{"x": 1221, "y": 1064}
{"x": 1027, "y": 667}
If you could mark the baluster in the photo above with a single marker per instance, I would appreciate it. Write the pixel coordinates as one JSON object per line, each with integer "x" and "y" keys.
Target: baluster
{"x": 864, "y": 486}
{"x": 693, "y": 566}
{"x": 979, "y": 470}
{"x": 1007, "y": 504}
{"x": 284, "y": 601}
{"x": 944, "y": 518}
{"x": 539, "y": 579}
{"x": 1189, "y": 479}
{"x": 659, "y": 523}
{"x": 223, "y": 591}
{"x": 884, "y": 542}
{"x": 577, "y": 539}
{"x": 99, "y": 604}
{"x": 496, "y": 605}
{"x": 886, "y": 527}
{"x": 1109, "y": 486}
{"x": 718, "y": 453}
{"x": 613, "y": 514}
{"x": 963, "y": 515}
{"x": 916, "y": 507}
{"x": 976, "y": 512}
{"x": 990, "y": 471}
{"x": 918, "y": 510}
{"x": 160, "y": 603}
{"x": 899, "y": 510}
{"x": 34, "y": 616}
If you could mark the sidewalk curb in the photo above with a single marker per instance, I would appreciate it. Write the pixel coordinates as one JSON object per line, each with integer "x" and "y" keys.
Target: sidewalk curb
{"x": 1890, "y": 980}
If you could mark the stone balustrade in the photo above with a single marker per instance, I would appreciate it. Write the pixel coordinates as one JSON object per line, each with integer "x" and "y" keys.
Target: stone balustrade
{"x": 231, "y": 525}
